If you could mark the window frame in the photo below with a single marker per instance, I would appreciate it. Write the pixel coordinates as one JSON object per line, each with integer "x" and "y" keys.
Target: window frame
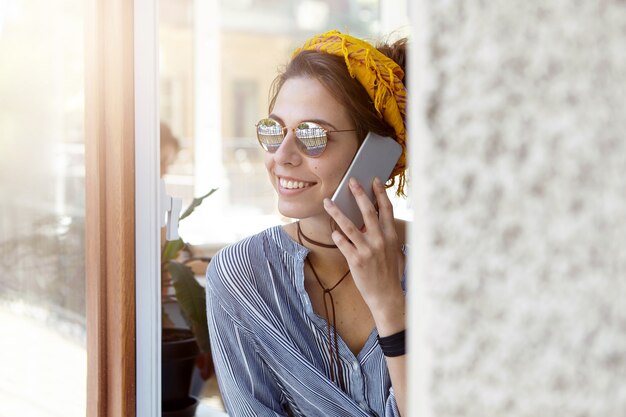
{"x": 110, "y": 208}
{"x": 148, "y": 214}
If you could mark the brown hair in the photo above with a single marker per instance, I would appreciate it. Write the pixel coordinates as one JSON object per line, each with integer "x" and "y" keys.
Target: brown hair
{"x": 332, "y": 73}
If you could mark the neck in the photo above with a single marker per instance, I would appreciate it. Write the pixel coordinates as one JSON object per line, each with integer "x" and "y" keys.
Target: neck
{"x": 303, "y": 237}
{"x": 317, "y": 230}
{"x": 326, "y": 260}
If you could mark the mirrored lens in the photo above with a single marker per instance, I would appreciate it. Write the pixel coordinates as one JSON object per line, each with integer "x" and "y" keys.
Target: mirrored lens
{"x": 312, "y": 138}
{"x": 270, "y": 134}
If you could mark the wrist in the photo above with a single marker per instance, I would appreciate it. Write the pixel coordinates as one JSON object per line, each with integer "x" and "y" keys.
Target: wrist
{"x": 390, "y": 318}
{"x": 393, "y": 345}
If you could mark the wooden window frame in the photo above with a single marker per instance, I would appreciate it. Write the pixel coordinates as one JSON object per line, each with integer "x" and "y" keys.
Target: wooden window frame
{"x": 122, "y": 226}
{"x": 110, "y": 208}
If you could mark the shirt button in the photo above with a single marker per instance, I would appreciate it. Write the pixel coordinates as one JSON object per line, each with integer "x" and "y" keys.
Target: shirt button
{"x": 355, "y": 366}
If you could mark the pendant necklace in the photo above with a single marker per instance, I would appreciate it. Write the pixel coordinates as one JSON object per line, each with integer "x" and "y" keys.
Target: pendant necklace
{"x": 333, "y": 347}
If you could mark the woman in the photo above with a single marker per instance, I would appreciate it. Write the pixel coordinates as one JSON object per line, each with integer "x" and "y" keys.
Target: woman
{"x": 308, "y": 319}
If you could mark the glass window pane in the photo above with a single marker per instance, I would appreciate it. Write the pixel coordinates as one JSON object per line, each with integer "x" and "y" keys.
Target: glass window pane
{"x": 42, "y": 210}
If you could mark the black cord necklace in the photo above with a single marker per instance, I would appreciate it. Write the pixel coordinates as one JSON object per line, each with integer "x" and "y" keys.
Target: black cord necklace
{"x": 333, "y": 346}
{"x": 314, "y": 242}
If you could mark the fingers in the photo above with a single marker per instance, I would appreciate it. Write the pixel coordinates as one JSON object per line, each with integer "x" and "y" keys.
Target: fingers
{"x": 379, "y": 225}
{"x": 370, "y": 215}
{"x": 347, "y": 247}
{"x": 371, "y": 251}
{"x": 344, "y": 223}
{"x": 385, "y": 208}
{"x": 370, "y": 218}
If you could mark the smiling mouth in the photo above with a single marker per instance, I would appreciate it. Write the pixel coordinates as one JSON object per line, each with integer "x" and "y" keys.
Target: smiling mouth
{"x": 293, "y": 184}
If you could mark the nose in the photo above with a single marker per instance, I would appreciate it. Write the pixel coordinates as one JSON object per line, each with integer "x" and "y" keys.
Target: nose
{"x": 287, "y": 152}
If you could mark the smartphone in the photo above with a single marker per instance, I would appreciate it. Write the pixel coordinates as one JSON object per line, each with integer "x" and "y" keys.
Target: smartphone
{"x": 375, "y": 158}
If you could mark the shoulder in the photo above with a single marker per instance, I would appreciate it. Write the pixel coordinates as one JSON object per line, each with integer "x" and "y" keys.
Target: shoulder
{"x": 402, "y": 228}
{"x": 252, "y": 249}
{"x": 239, "y": 257}
{"x": 238, "y": 268}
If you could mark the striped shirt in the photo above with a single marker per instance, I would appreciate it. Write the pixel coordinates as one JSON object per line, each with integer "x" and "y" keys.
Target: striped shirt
{"x": 271, "y": 349}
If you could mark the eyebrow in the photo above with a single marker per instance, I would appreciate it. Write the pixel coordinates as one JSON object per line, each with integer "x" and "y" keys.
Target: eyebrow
{"x": 318, "y": 121}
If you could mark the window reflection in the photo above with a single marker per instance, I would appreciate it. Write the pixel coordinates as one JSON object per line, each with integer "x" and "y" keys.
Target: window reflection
{"x": 42, "y": 210}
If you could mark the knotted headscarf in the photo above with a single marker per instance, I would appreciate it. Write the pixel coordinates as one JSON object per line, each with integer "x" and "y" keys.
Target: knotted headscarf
{"x": 381, "y": 77}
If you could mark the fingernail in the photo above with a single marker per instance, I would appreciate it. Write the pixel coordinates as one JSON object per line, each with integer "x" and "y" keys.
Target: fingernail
{"x": 377, "y": 181}
{"x": 354, "y": 183}
{"x": 327, "y": 202}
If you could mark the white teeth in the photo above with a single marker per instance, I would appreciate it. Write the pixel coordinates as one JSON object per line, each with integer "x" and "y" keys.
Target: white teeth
{"x": 292, "y": 185}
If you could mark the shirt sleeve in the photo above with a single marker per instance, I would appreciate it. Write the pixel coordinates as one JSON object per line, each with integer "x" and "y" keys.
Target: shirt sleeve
{"x": 247, "y": 386}
{"x": 391, "y": 406}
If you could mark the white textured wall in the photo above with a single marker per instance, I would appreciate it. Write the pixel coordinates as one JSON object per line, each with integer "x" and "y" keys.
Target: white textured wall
{"x": 527, "y": 208}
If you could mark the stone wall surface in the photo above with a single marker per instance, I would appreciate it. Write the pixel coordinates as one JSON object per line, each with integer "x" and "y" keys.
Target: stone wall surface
{"x": 527, "y": 164}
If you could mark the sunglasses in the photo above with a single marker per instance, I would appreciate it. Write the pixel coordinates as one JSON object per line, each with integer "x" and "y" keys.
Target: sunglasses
{"x": 310, "y": 136}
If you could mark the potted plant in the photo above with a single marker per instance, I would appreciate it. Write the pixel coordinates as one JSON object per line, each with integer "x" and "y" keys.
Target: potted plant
{"x": 182, "y": 346}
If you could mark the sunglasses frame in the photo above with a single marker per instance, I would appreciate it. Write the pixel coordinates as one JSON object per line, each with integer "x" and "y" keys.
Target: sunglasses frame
{"x": 301, "y": 146}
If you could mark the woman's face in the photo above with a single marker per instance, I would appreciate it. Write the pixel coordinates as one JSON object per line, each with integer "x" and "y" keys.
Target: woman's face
{"x": 303, "y": 182}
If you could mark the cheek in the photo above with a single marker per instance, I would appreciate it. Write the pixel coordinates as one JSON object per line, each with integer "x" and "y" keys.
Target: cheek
{"x": 268, "y": 161}
{"x": 331, "y": 173}
{"x": 340, "y": 167}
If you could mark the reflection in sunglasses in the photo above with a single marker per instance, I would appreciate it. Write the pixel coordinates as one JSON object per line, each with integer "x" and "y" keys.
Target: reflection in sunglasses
{"x": 311, "y": 137}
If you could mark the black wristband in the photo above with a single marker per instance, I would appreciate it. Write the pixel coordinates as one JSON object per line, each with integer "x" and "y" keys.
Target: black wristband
{"x": 393, "y": 345}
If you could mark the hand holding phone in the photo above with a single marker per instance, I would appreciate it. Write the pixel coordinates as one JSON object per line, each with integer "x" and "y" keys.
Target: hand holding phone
{"x": 375, "y": 158}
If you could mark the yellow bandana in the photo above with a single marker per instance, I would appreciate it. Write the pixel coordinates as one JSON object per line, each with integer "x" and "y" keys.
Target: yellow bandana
{"x": 381, "y": 77}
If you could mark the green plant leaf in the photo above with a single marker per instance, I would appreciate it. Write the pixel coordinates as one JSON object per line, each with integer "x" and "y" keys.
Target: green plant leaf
{"x": 195, "y": 203}
{"x": 192, "y": 300}
{"x": 171, "y": 250}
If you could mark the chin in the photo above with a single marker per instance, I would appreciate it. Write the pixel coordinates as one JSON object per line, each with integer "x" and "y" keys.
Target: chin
{"x": 291, "y": 212}
{"x": 294, "y": 212}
